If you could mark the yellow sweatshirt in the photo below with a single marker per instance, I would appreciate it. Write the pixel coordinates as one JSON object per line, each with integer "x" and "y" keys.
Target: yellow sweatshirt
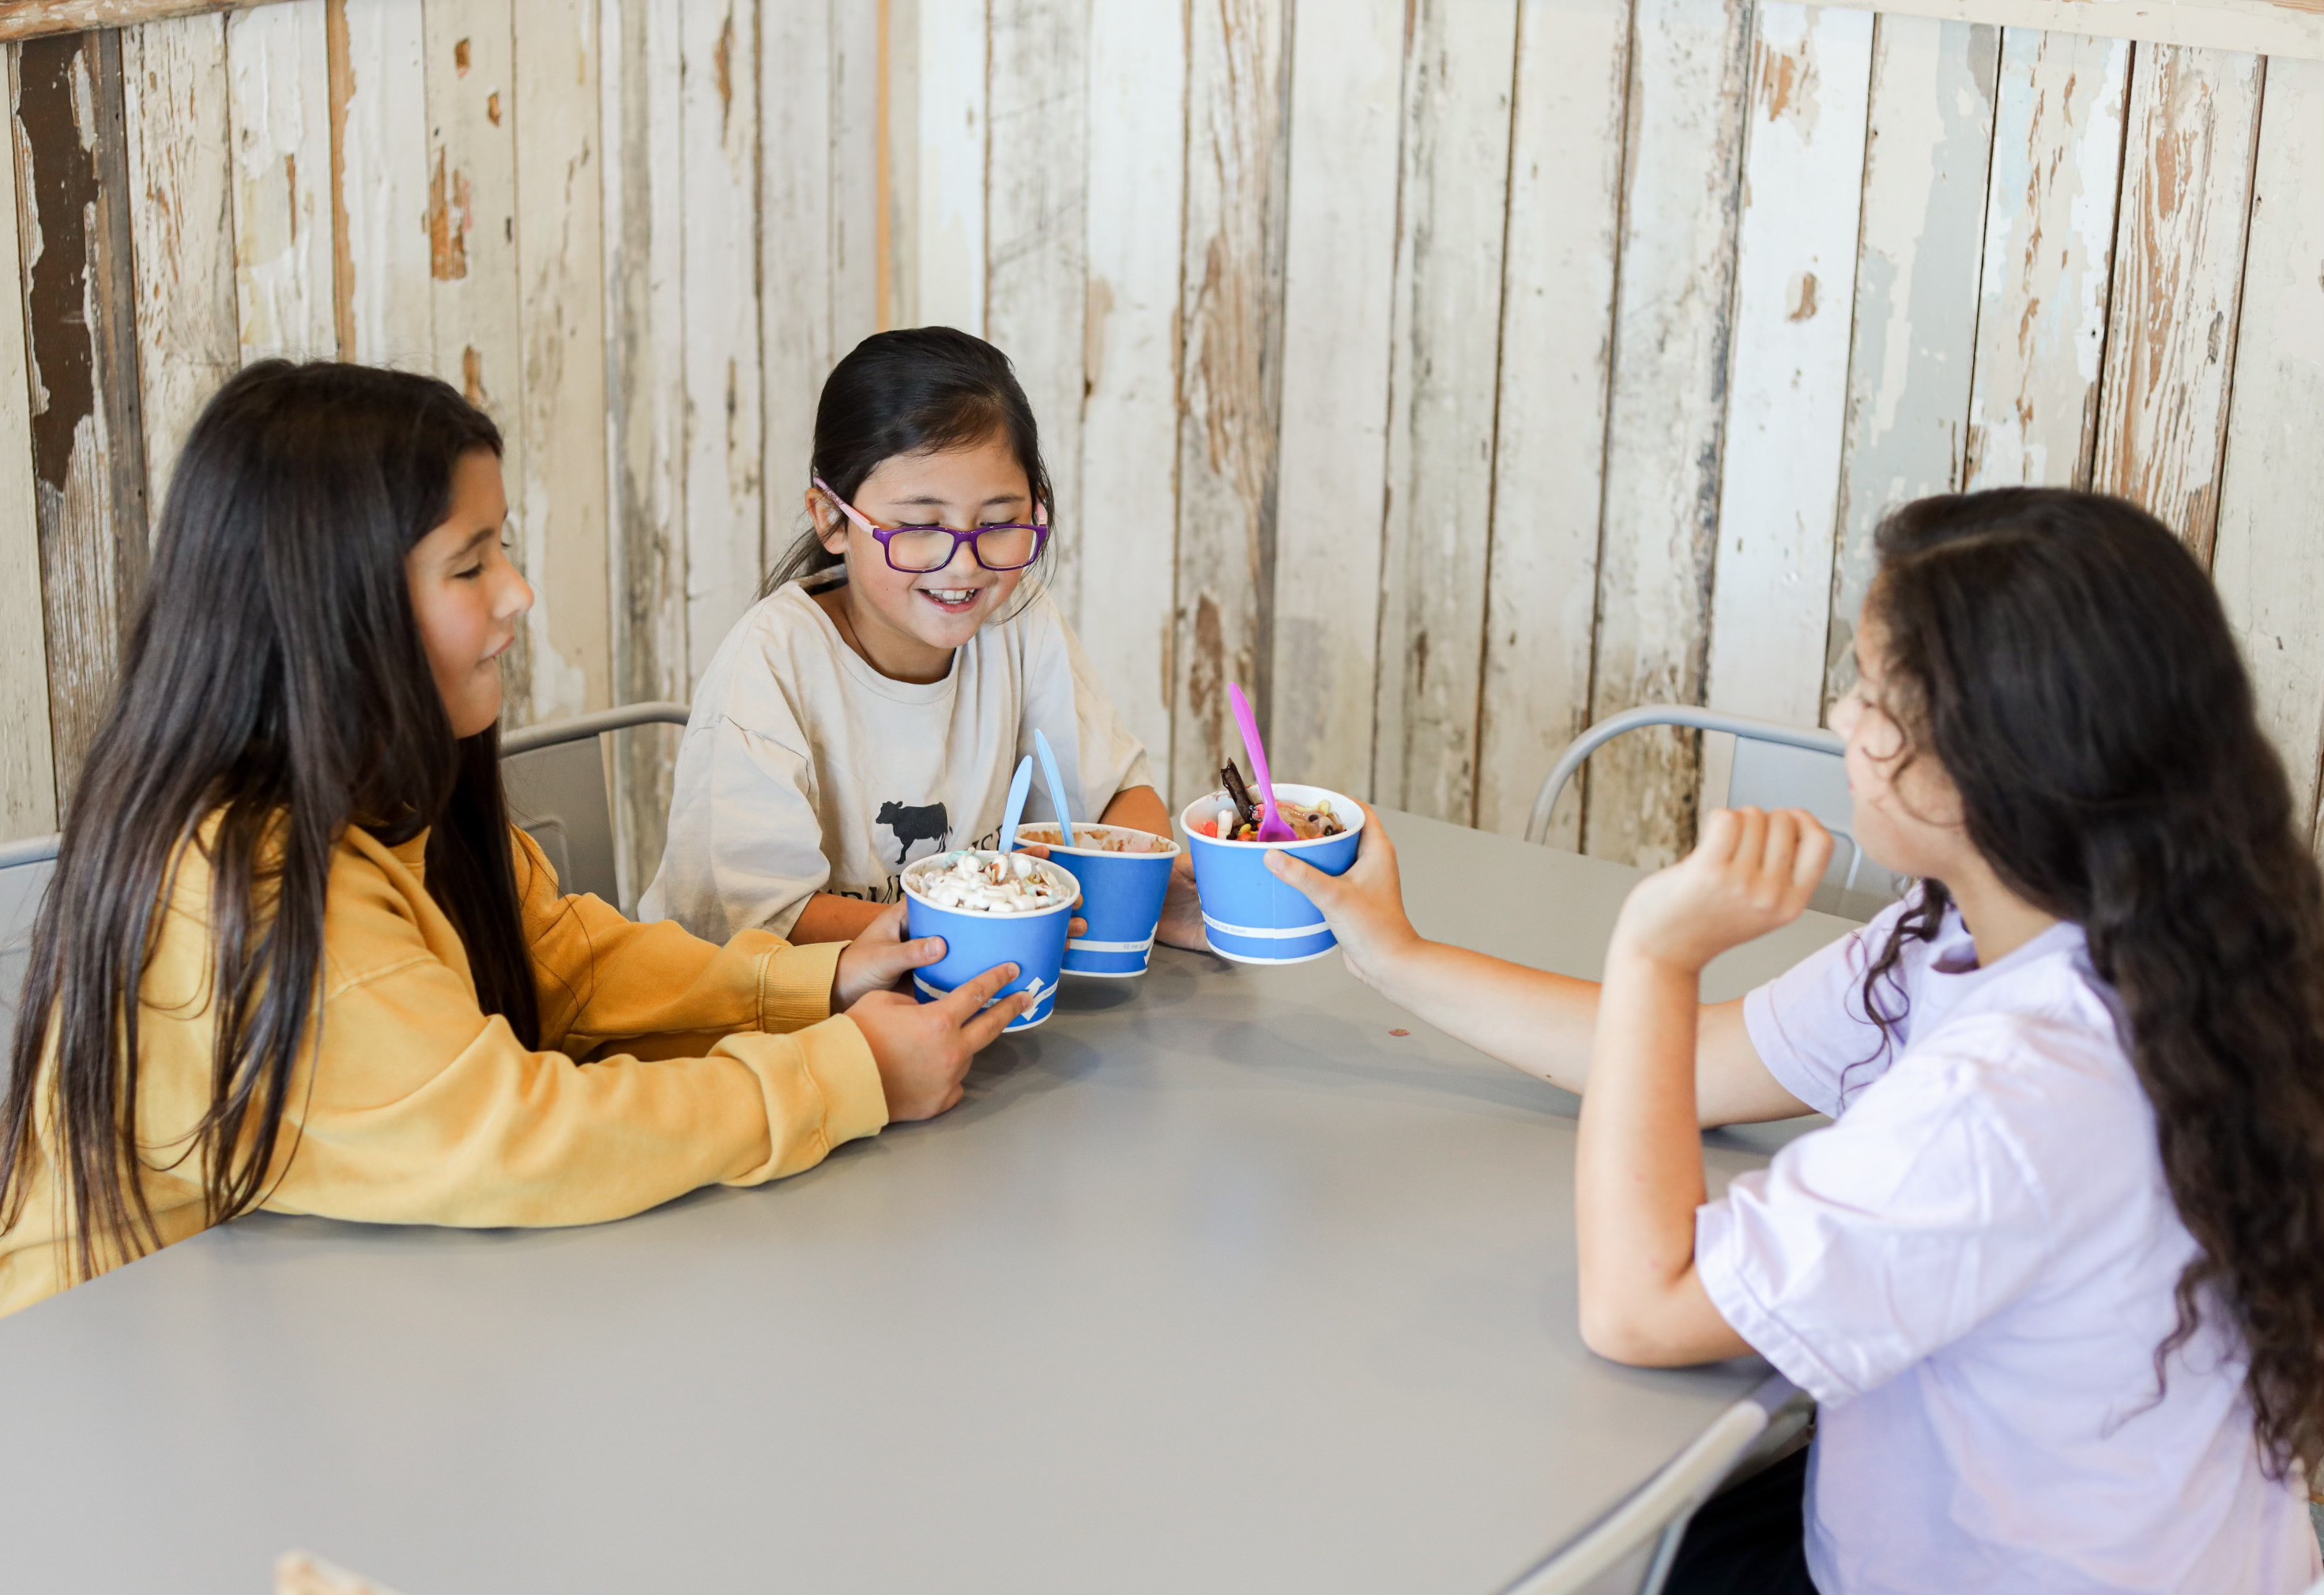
{"x": 413, "y": 1106}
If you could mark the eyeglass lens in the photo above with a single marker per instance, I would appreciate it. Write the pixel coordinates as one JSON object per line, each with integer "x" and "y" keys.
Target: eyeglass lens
{"x": 930, "y": 548}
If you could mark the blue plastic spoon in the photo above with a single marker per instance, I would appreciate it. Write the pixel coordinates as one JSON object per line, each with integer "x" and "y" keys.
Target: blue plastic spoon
{"x": 1019, "y": 786}
{"x": 1056, "y": 785}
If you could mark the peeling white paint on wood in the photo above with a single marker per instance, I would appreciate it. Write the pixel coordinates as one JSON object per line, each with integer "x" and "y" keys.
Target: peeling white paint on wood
{"x": 28, "y": 786}
{"x": 1444, "y": 344}
{"x": 1228, "y": 397}
{"x": 2049, "y": 248}
{"x": 1914, "y": 346}
{"x": 1787, "y": 401}
{"x": 795, "y": 254}
{"x": 181, "y": 175}
{"x": 280, "y": 77}
{"x": 1556, "y": 353}
{"x": 386, "y": 313}
{"x": 1663, "y": 450}
{"x": 559, "y": 500}
{"x": 2179, "y": 263}
{"x": 852, "y": 77}
{"x": 645, "y": 380}
{"x": 2290, "y": 28}
{"x": 1340, "y": 259}
{"x": 1130, "y": 361}
{"x": 725, "y": 509}
{"x": 2269, "y": 563}
{"x": 954, "y": 37}
{"x": 1037, "y": 230}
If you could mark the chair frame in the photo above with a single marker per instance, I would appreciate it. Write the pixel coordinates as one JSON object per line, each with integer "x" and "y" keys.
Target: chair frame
{"x": 1815, "y": 739}
{"x": 1759, "y": 1429}
{"x": 597, "y": 723}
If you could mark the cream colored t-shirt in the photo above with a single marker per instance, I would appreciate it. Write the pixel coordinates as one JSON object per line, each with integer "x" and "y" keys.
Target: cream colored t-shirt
{"x": 804, "y": 770}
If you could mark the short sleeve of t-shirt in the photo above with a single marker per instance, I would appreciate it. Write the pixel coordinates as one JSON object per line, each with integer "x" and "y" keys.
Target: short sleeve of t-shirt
{"x": 1808, "y": 1025}
{"x": 1870, "y": 1244}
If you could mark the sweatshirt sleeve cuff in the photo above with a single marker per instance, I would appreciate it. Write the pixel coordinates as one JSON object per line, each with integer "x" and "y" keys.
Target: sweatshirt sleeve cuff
{"x": 855, "y": 1105}
{"x": 821, "y": 1090}
{"x": 794, "y": 986}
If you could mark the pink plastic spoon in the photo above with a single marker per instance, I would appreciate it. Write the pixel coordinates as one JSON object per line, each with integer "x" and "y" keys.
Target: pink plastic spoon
{"x": 1271, "y": 827}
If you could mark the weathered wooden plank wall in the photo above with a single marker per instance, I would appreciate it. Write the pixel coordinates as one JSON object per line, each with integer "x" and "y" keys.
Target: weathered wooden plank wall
{"x": 1447, "y": 373}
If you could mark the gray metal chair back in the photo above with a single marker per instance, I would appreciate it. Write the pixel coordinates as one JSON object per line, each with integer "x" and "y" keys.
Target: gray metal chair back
{"x": 1775, "y": 766}
{"x": 558, "y": 791}
{"x": 25, "y": 868}
{"x": 1630, "y": 1550}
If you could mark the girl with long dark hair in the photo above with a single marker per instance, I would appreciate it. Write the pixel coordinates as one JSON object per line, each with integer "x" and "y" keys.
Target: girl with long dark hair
{"x": 294, "y": 956}
{"x": 2056, "y": 1274}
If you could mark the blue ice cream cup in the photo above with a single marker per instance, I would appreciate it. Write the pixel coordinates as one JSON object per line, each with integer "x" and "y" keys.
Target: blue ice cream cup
{"x": 1122, "y": 894}
{"x": 977, "y": 939}
{"x": 1250, "y": 916}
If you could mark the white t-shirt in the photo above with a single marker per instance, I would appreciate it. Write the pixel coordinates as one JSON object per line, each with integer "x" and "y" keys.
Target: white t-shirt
{"x": 804, "y": 770}
{"x": 1970, "y": 1272}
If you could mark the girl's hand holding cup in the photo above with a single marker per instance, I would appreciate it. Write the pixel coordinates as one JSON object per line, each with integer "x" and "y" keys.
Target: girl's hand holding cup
{"x": 1751, "y": 871}
{"x": 923, "y": 1050}
{"x": 881, "y": 959}
{"x": 1364, "y": 906}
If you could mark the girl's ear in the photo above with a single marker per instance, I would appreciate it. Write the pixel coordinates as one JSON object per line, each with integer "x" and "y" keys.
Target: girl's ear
{"x": 830, "y": 525}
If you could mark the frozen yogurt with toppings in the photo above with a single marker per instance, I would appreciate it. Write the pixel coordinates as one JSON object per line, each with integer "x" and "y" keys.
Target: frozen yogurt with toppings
{"x": 977, "y": 882}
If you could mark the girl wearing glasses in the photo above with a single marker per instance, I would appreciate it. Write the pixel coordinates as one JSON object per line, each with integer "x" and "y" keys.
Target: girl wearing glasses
{"x": 870, "y": 709}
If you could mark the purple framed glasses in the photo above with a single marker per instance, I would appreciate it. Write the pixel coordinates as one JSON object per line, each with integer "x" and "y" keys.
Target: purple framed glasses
{"x": 920, "y": 549}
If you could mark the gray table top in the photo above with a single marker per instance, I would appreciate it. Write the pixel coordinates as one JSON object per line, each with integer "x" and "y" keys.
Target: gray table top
{"x": 1221, "y": 1279}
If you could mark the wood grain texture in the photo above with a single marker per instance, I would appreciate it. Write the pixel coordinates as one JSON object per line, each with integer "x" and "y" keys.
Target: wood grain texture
{"x": 89, "y": 459}
{"x": 1036, "y": 240}
{"x": 1340, "y": 265}
{"x": 28, "y": 772}
{"x": 181, "y": 224}
{"x": 955, "y": 38}
{"x": 2292, "y": 28}
{"x": 34, "y": 19}
{"x": 1787, "y": 402}
{"x": 1129, "y": 364}
{"x": 1230, "y": 377}
{"x": 1445, "y": 339}
{"x": 2269, "y": 562}
{"x": 278, "y": 76}
{"x": 2179, "y": 263}
{"x": 1549, "y": 457}
{"x": 1663, "y": 436}
{"x": 1914, "y": 349}
{"x": 559, "y": 500}
{"x": 384, "y": 304}
{"x": 726, "y": 508}
{"x": 645, "y": 425}
{"x": 795, "y": 227}
{"x": 852, "y": 72}
{"x": 2049, "y": 248}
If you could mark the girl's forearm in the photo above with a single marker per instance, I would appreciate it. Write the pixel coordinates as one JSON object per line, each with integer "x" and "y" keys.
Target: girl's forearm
{"x": 1138, "y": 808}
{"x": 1638, "y": 1167}
{"x": 1528, "y": 1019}
{"x": 830, "y": 917}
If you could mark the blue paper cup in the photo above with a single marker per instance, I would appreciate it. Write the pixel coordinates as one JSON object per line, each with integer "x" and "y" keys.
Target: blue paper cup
{"x": 1122, "y": 896}
{"x": 1251, "y": 916}
{"x": 975, "y": 942}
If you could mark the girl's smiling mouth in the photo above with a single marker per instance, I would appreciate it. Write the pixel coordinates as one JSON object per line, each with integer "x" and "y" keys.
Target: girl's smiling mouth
{"x": 951, "y": 600}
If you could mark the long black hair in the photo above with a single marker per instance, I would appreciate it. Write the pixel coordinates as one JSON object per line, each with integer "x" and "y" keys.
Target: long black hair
{"x": 913, "y": 391}
{"x": 2067, "y": 663}
{"x": 276, "y": 690}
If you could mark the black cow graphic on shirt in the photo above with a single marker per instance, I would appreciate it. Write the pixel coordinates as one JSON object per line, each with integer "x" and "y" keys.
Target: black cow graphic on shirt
{"x": 914, "y": 823}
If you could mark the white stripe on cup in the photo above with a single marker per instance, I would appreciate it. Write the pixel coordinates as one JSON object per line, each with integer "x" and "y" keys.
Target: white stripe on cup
{"x": 1293, "y": 934}
{"x": 1088, "y": 947}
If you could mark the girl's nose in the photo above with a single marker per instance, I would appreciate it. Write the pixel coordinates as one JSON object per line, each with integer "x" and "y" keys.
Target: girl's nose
{"x": 1845, "y": 713}
{"x": 515, "y": 595}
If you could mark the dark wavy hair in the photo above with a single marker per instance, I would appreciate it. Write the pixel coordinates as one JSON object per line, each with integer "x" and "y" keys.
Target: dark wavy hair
{"x": 275, "y": 687}
{"x": 914, "y": 390}
{"x": 2067, "y": 663}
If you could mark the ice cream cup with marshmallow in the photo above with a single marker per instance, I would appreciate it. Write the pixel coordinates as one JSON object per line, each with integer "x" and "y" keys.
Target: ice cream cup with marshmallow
{"x": 992, "y": 908}
{"x": 1249, "y": 915}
